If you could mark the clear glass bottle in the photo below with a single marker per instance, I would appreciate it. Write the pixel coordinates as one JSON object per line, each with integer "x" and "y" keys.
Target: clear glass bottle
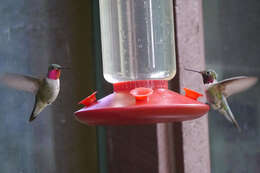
{"x": 137, "y": 40}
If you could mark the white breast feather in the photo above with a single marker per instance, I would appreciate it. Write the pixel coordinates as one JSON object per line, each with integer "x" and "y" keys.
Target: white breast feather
{"x": 54, "y": 88}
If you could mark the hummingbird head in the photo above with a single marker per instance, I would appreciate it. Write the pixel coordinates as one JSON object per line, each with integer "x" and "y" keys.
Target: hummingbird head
{"x": 54, "y": 71}
{"x": 209, "y": 76}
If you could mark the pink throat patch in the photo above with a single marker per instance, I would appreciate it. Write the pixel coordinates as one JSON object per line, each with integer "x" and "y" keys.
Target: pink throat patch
{"x": 54, "y": 74}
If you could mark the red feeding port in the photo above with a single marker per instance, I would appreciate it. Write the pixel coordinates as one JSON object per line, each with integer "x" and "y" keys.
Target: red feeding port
{"x": 89, "y": 100}
{"x": 141, "y": 102}
{"x": 141, "y": 93}
{"x": 192, "y": 94}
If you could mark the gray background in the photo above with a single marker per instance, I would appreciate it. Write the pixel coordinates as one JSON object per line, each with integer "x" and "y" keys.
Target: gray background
{"x": 232, "y": 42}
{"x": 34, "y": 34}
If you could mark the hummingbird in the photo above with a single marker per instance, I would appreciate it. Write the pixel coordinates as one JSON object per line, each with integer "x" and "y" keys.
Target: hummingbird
{"x": 45, "y": 89}
{"x": 218, "y": 92}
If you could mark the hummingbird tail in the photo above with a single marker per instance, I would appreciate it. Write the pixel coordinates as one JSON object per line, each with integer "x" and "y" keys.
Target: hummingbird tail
{"x": 228, "y": 114}
{"x": 32, "y": 117}
{"x": 236, "y": 124}
{"x": 38, "y": 107}
{"x": 232, "y": 119}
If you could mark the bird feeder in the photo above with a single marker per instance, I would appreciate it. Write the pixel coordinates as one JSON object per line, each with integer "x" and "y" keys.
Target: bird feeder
{"x": 139, "y": 59}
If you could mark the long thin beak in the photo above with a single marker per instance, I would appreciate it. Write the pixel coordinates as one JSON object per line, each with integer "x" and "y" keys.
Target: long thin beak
{"x": 65, "y": 68}
{"x": 192, "y": 70}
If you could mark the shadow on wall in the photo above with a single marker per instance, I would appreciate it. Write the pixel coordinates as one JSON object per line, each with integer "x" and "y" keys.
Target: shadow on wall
{"x": 75, "y": 144}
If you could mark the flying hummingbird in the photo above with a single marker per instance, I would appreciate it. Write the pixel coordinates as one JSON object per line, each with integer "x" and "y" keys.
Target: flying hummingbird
{"x": 217, "y": 92}
{"x": 46, "y": 89}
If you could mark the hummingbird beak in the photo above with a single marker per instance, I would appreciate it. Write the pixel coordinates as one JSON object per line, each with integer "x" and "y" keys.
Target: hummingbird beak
{"x": 192, "y": 70}
{"x": 65, "y": 68}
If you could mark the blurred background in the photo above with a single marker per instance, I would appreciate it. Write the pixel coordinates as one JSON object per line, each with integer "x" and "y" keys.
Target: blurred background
{"x": 232, "y": 40}
{"x": 34, "y": 34}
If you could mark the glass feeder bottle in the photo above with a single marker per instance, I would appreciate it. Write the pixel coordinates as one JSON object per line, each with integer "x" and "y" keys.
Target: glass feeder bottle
{"x": 137, "y": 40}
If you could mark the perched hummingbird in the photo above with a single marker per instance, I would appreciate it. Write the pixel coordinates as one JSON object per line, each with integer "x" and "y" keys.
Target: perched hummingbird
{"x": 46, "y": 89}
{"x": 217, "y": 92}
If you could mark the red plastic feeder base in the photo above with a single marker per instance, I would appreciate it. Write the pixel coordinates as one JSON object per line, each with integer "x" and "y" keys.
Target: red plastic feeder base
{"x": 140, "y": 102}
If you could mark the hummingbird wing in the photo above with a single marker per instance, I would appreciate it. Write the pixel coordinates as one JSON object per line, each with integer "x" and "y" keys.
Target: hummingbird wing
{"x": 236, "y": 84}
{"x": 20, "y": 82}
